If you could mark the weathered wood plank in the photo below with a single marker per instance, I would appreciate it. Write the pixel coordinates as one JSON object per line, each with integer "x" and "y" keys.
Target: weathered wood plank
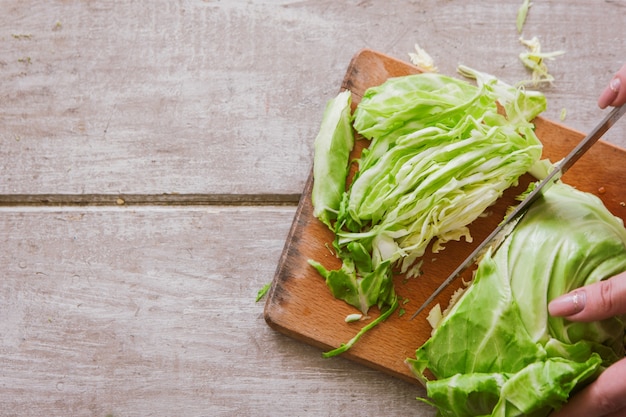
{"x": 283, "y": 199}
{"x": 151, "y": 312}
{"x": 203, "y": 97}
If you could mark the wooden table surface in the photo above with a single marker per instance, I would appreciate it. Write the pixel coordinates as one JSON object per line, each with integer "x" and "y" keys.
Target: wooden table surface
{"x": 152, "y": 155}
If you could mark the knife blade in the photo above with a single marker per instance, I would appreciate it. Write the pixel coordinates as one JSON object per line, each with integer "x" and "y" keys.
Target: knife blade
{"x": 505, "y": 227}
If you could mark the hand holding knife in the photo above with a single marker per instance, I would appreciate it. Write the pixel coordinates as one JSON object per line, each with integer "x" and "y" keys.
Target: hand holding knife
{"x": 506, "y": 226}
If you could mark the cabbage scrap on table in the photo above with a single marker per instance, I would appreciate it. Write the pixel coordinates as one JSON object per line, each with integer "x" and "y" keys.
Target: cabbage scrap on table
{"x": 498, "y": 352}
{"x": 535, "y": 60}
{"x": 441, "y": 153}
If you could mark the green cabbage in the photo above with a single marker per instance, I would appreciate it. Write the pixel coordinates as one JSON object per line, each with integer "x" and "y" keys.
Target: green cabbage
{"x": 333, "y": 145}
{"x": 442, "y": 150}
{"x": 498, "y": 352}
{"x": 440, "y": 155}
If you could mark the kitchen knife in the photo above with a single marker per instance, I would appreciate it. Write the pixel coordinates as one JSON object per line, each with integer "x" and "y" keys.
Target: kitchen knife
{"x": 508, "y": 224}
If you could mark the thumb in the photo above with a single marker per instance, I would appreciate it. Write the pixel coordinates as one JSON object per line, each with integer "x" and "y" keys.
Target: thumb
{"x": 606, "y": 396}
{"x": 597, "y": 301}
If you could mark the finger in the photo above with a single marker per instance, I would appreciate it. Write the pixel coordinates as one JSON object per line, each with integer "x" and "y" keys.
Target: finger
{"x": 621, "y": 90}
{"x": 610, "y": 93}
{"x": 606, "y": 396}
{"x": 597, "y": 301}
{"x": 615, "y": 93}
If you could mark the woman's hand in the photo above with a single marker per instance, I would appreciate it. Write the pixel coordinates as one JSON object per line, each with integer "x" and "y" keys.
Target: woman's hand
{"x": 606, "y": 396}
{"x": 615, "y": 93}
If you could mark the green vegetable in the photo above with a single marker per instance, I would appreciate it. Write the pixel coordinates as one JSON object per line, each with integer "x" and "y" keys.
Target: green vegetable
{"x": 344, "y": 347}
{"x": 535, "y": 60}
{"x": 360, "y": 290}
{"x": 420, "y": 58}
{"x": 522, "y": 13}
{"x": 261, "y": 293}
{"x": 350, "y": 318}
{"x": 440, "y": 154}
{"x": 333, "y": 144}
{"x": 498, "y": 352}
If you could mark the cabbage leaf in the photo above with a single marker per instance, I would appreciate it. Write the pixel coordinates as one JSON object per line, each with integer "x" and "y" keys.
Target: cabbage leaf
{"x": 333, "y": 145}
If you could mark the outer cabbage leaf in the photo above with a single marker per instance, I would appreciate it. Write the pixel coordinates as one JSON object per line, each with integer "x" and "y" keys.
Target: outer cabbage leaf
{"x": 498, "y": 347}
{"x": 333, "y": 144}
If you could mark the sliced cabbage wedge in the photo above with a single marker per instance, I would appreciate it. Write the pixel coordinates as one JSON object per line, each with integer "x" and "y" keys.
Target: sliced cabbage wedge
{"x": 498, "y": 352}
{"x": 441, "y": 151}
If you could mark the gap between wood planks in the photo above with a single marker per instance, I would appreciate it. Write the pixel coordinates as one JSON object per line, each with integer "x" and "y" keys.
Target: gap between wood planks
{"x": 16, "y": 200}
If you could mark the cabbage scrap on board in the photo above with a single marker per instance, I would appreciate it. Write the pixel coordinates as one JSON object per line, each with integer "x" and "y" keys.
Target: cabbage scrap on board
{"x": 498, "y": 352}
{"x": 441, "y": 153}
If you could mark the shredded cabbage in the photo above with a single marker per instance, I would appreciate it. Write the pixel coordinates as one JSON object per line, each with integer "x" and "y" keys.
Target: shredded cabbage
{"x": 422, "y": 59}
{"x": 441, "y": 152}
{"x": 440, "y": 155}
{"x": 535, "y": 60}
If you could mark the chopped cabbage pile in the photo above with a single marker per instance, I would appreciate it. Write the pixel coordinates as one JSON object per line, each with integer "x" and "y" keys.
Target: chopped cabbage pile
{"x": 442, "y": 150}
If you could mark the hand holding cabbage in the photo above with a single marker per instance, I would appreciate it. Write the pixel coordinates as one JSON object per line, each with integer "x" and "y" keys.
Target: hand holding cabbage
{"x": 606, "y": 299}
{"x": 597, "y": 301}
{"x": 499, "y": 352}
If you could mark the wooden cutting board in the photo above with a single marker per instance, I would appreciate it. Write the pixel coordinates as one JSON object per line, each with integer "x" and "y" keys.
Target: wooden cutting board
{"x": 300, "y": 305}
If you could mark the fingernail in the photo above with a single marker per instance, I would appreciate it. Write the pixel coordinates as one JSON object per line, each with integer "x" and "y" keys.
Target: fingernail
{"x": 568, "y": 304}
{"x": 615, "y": 84}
